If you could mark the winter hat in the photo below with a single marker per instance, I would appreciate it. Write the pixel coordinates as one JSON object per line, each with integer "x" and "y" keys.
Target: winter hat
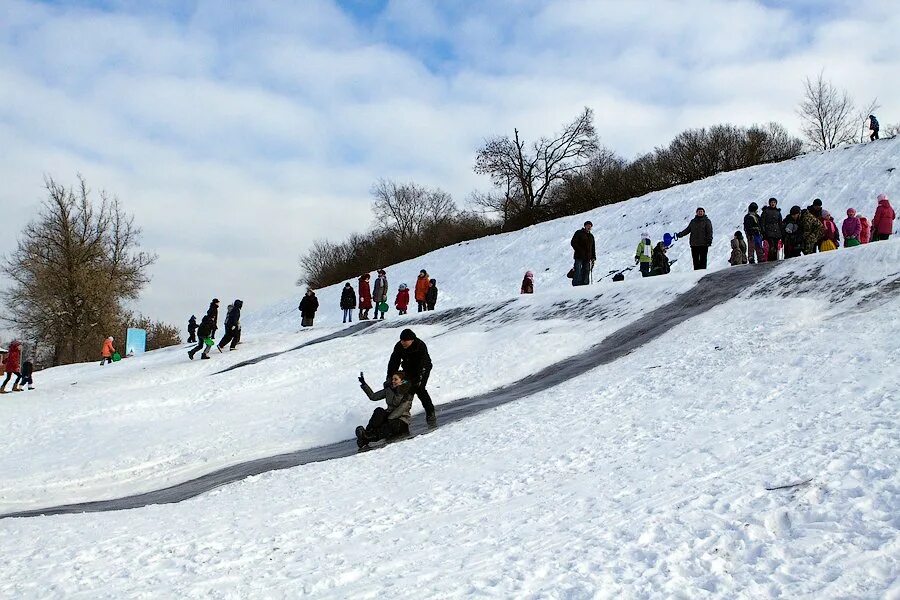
{"x": 795, "y": 210}
{"x": 826, "y": 214}
{"x": 645, "y": 236}
{"x": 817, "y": 202}
{"x": 403, "y": 286}
{"x": 851, "y": 212}
{"x": 753, "y": 206}
{"x": 434, "y": 282}
{"x": 739, "y": 235}
{"x": 407, "y": 335}
{"x": 775, "y": 200}
{"x": 529, "y": 274}
{"x": 382, "y": 272}
{"x": 110, "y": 338}
{"x": 882, "y": 197}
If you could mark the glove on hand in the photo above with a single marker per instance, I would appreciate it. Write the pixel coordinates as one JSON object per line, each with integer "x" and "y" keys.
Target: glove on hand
{"x": 361, "y": 378}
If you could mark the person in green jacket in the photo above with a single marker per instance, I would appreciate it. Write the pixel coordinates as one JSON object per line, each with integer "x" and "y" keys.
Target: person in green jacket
{"x": 643, "y": 255}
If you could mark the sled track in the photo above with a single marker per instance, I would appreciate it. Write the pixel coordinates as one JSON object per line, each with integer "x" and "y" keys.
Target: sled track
{"x": 709, "y": 292}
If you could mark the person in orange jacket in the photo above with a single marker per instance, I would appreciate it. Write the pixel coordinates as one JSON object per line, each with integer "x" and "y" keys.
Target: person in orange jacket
{"x": 423, "y": 282}
{"x": 107, "y": 351}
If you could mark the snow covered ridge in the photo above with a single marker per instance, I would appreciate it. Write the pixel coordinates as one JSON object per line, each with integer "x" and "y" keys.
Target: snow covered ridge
{"x": 492, "y": 268}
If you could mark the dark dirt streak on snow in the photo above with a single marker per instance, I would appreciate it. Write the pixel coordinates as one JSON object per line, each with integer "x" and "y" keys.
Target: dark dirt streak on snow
{"x": 709, "y": 292}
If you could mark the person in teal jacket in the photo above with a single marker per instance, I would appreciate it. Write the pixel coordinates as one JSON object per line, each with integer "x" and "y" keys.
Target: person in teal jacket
{"x": 643, "y": 256}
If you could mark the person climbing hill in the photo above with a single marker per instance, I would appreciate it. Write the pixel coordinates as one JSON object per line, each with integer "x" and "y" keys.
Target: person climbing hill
{"x": 11, "y": 362}
{"x": 192, "y": 330}
{"x": 232, "y": 323}
{"x": 204, "y": 335}
{"x": 873, "y": 128}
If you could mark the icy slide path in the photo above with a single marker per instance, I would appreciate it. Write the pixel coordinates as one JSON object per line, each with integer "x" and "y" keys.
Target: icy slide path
{"x": 710, "y": 291}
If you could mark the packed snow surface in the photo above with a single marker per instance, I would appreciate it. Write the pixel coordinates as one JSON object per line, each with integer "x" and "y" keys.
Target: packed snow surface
{"x": 644, "y": 478}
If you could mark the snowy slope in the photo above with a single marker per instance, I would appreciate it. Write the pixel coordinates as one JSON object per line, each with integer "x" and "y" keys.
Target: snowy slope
{"x": 643, "y": 478}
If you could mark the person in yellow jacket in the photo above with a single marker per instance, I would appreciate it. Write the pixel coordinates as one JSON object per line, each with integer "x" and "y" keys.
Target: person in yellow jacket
{"x": 643, "y": 255}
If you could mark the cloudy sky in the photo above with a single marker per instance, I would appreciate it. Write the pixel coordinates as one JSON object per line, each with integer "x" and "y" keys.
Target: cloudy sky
{"x": 238, "y": 132}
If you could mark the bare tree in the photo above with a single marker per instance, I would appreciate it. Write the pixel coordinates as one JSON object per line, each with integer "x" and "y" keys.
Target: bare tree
{"x": 862, "y": 117}
{"x": 529, "y": 173}
{"x": 407, "y": 209}
{"x": 71, "y": 271}
{"x": 827, "y": 114}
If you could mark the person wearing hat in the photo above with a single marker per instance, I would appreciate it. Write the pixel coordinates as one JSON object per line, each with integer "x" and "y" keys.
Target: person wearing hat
{"x": 107, "y": 351}
{"x": 380, "y": 293}
{"x": 213, "y": 314}
{"x": 643, "y": 255}
{"x": 192, "y": 330}
{"x": 770, "y": 222}
{"x": 232, "y": 326}
{"x": 528, "y": 283}
{"x": 204, "y": 333}
{"x": 411, "y": 355}
{"x": 701, "y": 230}
{"x": 584, "y": 253}
{"x": 401, "y": 302}
{"x": 753, "y": 233}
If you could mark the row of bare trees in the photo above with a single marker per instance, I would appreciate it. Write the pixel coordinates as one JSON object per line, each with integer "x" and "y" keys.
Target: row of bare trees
{"x": 73, "y": 269}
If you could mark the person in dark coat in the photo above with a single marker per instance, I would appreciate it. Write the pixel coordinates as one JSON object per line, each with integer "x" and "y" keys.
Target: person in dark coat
{"x": 308, "y": 307}
{"x": 204, "y": 332}
{"x": 348, "y": 302}
{"x": 527, "y": 283}
{"x": 380, "y": 293}
{"x": 13, "y": 367}
{"x": 701, "y": 230}
{"x": 411, "y": 354}
{"x": 28, "y": 374}
{"x": 584, "y": 253}
{"x": 793, "y": 234}
{"x": 392, "y": 421}
{"x": 770, "y": 222}
{"x": 213, "y": 313}
{"x": 232, "y": 324}
{"x": 432, "y": 294}
{"x": 192, "y": 330}
{"x": 659, "y": 264}
{"x": 753, "y": 233}
{"x": 873, "y": 127}
{"x": 365, "y": 297}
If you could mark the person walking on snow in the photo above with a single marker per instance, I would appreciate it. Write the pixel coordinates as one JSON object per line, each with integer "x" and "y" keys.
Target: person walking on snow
{"x": 308, "y": 307}
{"x": 431, "y": 295}
{"x": 584, "y": 254}
{"x": 394, "y": 420}
{"x": 423, "y": 282}
{"x": 411, "y": 354}
{"x": 365, "y": 297}
{"x": 660, "y": 264}
{"x": 753, "y": 233}
{"x": 738, "y": 250}
{"x": 107, "y": 351}
{"x": 793, "y": 234}
{"x": 204, "y": 333}
{"x": 701, "y": 231}
{"x": 643, "y": 254}
{"x": 213, "y": 314}
{"x": 883, "y": 221}
{"x": 401, "y": 302}
{"x": 192, "y": 330}
{"x": 28, "y": 374}
{"x": 851, "y": 228}
{"x": 380, "y": 293}
{"x": 770, "y": 223}
{"x": 873, "y": 128}
{"x": 11, "y": 362}
{"x": 348, "y": 302}
{"x": 232, "y": 325}
{"x": 528, "y": 283}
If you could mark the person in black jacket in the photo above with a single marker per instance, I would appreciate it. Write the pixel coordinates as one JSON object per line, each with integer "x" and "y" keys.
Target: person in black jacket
{"x": 412, "y": 354}
{"x": 431, "y": 295}
{"x": 192, "y": 330}
{"x": 753, "y": 233}
{"x": 348, "y": 302}
{"x": 232, "y": 323}
{"x": 213, "y": 314}
{"x": 585, "y": 254}
{"x": 770, "y": 222}
{"x": 308, "y": 307}
{"x": 659, "y": 264}
{"x": 203, "y": 332}
{"x": 873, "y": 127}
{"x": 701, "y": 231}
{"x": 28, "y": 374}
{"x": 793, "y": 233}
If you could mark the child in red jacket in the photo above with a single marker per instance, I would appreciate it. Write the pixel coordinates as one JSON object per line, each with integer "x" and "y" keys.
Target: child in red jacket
{"x": 402, "y": 301}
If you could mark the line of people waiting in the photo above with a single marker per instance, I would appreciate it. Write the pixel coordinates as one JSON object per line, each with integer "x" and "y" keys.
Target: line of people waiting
{"x": 425, "y": 295}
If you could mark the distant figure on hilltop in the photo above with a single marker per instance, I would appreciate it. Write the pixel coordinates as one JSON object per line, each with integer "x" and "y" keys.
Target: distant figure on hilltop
{"x": 348, "y": 302}
{"x": 883, "y": 221}
{"x": 873, "y": 128}
{"x": 192, "y": 330}
{"x": 701, "y": 237}
{"x": 528, "y": 283}
{"x": 308, "y": 307}
{"x": 584, "y": 254}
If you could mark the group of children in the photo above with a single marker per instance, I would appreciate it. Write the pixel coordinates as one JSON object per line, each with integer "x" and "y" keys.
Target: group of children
{"x": 425, "y": 294}
{"x": 10, "y": 360}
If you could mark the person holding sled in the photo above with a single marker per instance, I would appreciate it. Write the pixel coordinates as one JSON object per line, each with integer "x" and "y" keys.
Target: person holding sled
{"x": 584, "y": 253}
{"x": 738, "y": 250}
{"x": 643, "y": 255}
{"x": 883, "y": 221}
{"x": 411, "y": 354}
{"x": 528, "y": 283}
{"x": 701, "y": 231}
{"x": 793, "y": 234}
{"x": 107, "y": 351}
{"x": 770, "y": 223}
{"x": 401, "y": 302}
{"x": 660, "y": 264}
{"x": 380, "y": 293}
{"x": 308, "y": 307}
{"x": 423, "y": 282}
{"x": 204, "y": 333}
{"x": 851, "y": 228}
{"x": 431, "y": 295}
{"x": 11, "y": 363}
{"x": 390, "y": 422}
{"x": 365, "y": 297}
{"x": 348, "y": 302}
{"x": 192, "y": 330}
{"x": 232, "y": 326}
{"x": 873, "y": 128}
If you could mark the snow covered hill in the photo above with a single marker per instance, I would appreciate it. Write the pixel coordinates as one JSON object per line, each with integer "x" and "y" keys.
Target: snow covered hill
{"x": 645, "y": 477}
